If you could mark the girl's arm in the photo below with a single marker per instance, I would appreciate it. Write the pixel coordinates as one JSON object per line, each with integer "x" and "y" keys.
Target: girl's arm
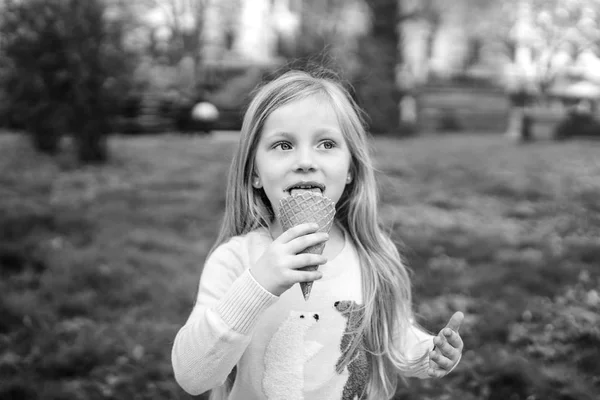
{"x": 437, "y": 355}
{"x": 220, "y": 326}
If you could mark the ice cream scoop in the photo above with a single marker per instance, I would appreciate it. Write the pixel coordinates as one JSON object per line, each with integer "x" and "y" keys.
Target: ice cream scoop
{"x": 304, "y": 206}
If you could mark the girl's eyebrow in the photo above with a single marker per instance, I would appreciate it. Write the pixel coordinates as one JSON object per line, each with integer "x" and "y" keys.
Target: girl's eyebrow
{"x": 279, "y": 135}
{"x": 290, "y": 136}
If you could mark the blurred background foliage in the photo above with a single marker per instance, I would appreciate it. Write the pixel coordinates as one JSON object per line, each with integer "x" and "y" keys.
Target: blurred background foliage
{"x": 64, "y": 66}
{"x": 99, "y": 263}
{"x": 140, "y": 66}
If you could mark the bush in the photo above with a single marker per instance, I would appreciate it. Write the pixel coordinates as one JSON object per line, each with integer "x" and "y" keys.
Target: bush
{"x": 577, "y": 124}
{"x": 564, "y": 328}
{"x": 64, "y": 69}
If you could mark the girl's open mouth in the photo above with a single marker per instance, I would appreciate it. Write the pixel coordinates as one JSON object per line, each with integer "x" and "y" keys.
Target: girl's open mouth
{"x": 306, "y": 186}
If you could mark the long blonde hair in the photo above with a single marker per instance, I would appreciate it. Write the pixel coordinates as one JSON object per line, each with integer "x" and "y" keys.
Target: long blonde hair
{"x": 386, "y": 282}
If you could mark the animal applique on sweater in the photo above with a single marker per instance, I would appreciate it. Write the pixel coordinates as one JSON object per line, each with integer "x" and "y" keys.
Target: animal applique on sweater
{"x": 286, "y": 355}
{"x": 359, "y": 366}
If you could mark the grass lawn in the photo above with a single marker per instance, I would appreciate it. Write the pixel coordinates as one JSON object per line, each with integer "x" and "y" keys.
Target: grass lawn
{"x": 99, "y": 266}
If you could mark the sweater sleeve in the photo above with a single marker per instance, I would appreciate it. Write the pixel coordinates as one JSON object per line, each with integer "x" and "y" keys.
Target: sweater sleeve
{"x": 418, "y": 346}
{"x": 220, "y": 326}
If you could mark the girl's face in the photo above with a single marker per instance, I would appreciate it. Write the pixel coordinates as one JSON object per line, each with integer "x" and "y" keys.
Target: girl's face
{"x": 302, "y": 145}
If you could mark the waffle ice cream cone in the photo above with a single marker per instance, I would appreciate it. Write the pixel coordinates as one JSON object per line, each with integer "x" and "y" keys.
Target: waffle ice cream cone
{"x": 305, "y": 206}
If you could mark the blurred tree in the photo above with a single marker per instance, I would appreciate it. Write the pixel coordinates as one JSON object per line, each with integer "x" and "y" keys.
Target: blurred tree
{"x": 184, "y": 23}
{"x": 430, "y": 14}
{"x": 323, "y": 30}
{"x": 177, "y": 33}
{"x": 66, "y": 68}
{"x": 35, "y": 74}
{"x": 542, "y": 39}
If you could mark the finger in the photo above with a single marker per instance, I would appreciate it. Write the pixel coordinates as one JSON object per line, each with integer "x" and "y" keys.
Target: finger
{"x": 301, "y": 243}
{"x": 307, "y": 276}
{"x": 306, "y": 259}
{"x": 436, "y": 373}
{"x": 297, "y": 231}
{"x": 439, "y": 361}
{"x": 453, "y": 338}
{"x": 455, "y": 321}
{"x": 442, "y": 345}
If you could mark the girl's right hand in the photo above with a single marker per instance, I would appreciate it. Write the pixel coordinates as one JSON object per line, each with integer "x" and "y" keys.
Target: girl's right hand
{"x": 277, "y": 269}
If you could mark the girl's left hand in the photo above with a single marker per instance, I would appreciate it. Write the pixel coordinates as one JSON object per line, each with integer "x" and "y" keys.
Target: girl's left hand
{"x": 448, "y": 348}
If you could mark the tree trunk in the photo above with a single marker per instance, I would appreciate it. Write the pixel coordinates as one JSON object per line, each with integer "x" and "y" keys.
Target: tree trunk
{"x": 376, "y": 88}
{"x": 46, "y": 128}
{"x": 91, "y": 138}
{"x": 45, "y": 140}
{"x": 91, "y": 146}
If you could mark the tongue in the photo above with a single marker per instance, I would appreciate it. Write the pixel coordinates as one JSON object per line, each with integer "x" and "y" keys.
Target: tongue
{"x": 316, "y": 190}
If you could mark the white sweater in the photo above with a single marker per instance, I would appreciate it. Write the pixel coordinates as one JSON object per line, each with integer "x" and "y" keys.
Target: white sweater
{"x": 284, "y": 347}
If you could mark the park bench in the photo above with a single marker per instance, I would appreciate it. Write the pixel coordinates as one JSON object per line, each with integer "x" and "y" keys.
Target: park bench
{"x": 452, "y": 107}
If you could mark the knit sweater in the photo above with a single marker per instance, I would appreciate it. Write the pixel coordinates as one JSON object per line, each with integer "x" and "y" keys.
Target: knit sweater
{"x": 283, "y": 347}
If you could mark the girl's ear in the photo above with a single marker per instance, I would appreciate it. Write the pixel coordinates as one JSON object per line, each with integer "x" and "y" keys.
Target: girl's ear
{"x": 256, "y": 184}
{"x": 349, "y": 178}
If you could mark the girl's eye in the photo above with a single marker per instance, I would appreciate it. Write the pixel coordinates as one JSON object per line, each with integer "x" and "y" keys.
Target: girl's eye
{"x": 282, "y": 146}
{"x": 328, "y": 144}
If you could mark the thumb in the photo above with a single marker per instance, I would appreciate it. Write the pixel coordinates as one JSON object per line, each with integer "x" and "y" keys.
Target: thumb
{"x": 455, "y": 321}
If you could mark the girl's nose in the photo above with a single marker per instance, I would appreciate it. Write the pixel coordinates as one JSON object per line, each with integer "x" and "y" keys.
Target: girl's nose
{"x": 305, "y": 161}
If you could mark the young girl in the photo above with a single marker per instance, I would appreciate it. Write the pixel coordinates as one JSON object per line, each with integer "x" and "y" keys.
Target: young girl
{"x": 251, "y": 334}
